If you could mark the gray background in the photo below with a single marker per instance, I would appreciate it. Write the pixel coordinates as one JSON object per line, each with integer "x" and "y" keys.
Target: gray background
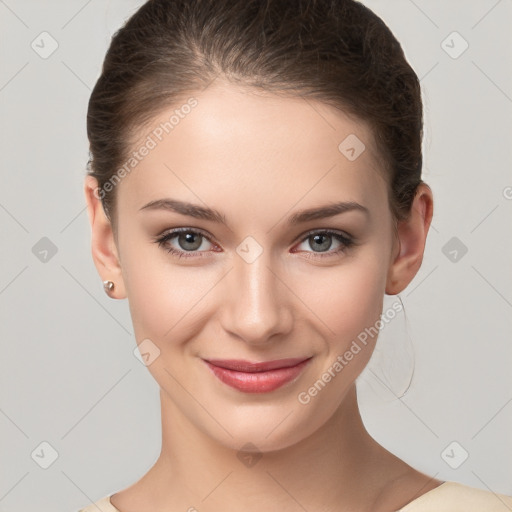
{"x": 68, "y": 374}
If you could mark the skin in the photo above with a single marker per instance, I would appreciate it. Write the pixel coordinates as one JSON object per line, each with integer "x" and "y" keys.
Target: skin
{"x": 258, "y": 158}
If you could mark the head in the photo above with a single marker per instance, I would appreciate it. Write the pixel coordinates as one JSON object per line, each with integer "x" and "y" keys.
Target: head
{"x": 247, "y": 116}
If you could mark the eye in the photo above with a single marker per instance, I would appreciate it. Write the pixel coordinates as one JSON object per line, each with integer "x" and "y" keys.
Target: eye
{"x": 321, "y": 242}
{"x": 186, "y": 240}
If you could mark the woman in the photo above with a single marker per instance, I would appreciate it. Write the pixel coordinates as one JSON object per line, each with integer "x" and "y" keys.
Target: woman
{"x": 228, "y": 140}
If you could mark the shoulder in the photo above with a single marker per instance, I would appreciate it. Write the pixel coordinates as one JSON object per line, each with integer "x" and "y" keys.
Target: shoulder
{"x": 102, "y": 505}
{"x": 456, "y": 497}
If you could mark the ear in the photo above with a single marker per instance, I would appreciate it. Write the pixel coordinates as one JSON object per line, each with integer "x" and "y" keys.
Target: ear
{"x": 104, "y": 249}
{"x": 412, "y": 236}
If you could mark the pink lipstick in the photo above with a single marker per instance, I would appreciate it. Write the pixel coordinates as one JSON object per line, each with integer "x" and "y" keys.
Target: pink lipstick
{"x": 259, "y": 377}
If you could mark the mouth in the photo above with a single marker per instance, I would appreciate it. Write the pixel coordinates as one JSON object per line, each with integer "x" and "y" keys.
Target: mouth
{"x": 257, "y": 377}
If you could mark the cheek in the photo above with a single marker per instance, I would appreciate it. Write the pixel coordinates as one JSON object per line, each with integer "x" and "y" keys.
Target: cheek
{"x": 348, "y": 302}
{"x": 164, "y": 298}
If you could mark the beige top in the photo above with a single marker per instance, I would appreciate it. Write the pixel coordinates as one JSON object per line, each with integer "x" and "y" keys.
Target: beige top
{"x": 447, "y": 497}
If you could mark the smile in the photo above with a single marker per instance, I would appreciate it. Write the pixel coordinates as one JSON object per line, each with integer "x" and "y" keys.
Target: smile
{"x": 257, "y": 377}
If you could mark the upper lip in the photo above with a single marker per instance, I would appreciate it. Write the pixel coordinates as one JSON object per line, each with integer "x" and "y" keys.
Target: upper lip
{"x": 252, "y": 367}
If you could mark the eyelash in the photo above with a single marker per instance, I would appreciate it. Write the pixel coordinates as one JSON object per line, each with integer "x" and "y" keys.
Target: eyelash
{"x": 346, "y": 242}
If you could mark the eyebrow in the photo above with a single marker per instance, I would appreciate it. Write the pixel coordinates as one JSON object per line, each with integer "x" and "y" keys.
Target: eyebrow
{"x": 200, "y": 212}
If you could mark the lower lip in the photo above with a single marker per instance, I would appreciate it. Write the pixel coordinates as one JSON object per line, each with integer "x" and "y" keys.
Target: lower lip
{"x": 257, "y": 382}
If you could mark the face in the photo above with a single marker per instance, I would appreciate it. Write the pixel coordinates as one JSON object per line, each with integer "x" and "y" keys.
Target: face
{"x": 258, "y": 280}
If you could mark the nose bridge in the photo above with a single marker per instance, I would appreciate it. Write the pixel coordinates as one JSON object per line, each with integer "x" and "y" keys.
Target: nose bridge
{"x": 256, "y": 303}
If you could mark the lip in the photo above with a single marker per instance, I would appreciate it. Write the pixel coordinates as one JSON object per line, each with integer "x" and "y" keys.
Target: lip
{"x": 257, "y": 377}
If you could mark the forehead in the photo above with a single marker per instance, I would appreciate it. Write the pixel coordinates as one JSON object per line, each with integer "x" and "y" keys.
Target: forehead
{"x": 239, "y": 147}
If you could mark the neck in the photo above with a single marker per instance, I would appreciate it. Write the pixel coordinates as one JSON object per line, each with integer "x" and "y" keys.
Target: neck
{"x": 338, "y": 467}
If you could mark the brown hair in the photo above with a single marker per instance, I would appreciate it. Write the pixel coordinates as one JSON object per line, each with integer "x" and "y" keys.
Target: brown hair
{"x": 336, "y": 51}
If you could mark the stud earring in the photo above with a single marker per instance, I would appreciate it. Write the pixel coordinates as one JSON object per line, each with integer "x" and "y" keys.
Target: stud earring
{"x": 108, "y": 286}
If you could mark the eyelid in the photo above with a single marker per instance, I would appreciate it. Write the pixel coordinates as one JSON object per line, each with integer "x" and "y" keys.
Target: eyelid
{"x": 307, "y": 234}
{"x": 175, "y": 231}
{"x": 171, "y": 233}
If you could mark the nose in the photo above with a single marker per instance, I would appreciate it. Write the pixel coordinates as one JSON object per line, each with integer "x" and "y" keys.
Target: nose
{"x": 257, "y": 305}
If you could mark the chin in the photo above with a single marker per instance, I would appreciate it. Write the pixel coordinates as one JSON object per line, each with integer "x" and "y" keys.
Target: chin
{"x": 254, "y": 441}
{"x": 272, "y": 428}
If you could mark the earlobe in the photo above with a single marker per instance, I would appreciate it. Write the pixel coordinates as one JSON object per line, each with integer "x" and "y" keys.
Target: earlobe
{"x": 103, "y": 247}
{"x": 412, "y": 234}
